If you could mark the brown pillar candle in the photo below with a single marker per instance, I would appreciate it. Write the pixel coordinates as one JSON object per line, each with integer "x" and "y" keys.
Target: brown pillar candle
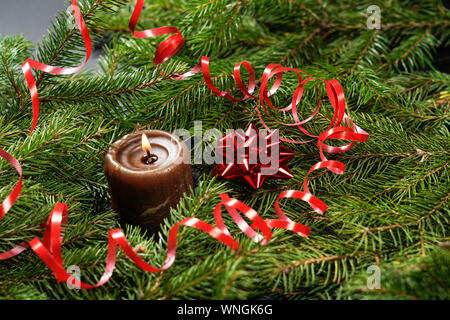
{"x": 147, "y": 178}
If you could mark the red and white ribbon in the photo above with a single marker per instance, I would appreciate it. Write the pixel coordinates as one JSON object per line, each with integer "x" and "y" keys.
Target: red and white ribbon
{"x": 30, "y": 63}
{"x": 9, "y": 202}
{"x": 49, "y": 249}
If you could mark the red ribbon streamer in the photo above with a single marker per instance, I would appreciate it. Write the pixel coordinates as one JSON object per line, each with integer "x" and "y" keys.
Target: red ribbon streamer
{"x": 9, "y": 202}
{"x": 30, "y": 63}
{"x": 49, "y": 249}
{"x": 171, "y": 45}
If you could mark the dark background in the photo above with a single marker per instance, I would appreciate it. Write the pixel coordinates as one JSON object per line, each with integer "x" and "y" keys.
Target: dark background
{"x": 31, "y": 18}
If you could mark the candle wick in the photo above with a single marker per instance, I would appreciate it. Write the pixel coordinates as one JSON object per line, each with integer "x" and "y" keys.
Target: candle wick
{"x": 150, "y": 158}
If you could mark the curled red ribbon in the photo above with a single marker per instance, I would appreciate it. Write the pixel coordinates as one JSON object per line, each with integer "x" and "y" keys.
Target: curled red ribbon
{"x": 30, "y": 63}
{"x": 49, "y": 249}
{"x": 171, "y": 45}
{"x": 9, "y": 202}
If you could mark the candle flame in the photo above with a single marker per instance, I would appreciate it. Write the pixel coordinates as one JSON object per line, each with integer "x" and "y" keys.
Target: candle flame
{"x": 145, "y": 143}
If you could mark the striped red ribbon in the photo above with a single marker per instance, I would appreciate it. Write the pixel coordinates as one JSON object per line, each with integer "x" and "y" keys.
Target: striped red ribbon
{"x": 49, "y": 249}
{"x": 9, "y": 202}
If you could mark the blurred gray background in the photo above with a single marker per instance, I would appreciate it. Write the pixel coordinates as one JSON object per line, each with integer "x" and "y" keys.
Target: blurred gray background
{"x": 31, "y": 18}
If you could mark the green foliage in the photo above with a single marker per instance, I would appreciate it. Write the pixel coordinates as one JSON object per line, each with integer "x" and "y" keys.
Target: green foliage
{"x": 414, "y": 278}
{"x": 391, "y": 203}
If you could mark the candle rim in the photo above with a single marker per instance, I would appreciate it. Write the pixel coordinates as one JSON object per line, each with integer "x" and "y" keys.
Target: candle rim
{"x": 116, "y": 146}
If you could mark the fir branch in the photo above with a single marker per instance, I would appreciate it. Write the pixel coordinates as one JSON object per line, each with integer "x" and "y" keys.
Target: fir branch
{"x": 404, "y": 162}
